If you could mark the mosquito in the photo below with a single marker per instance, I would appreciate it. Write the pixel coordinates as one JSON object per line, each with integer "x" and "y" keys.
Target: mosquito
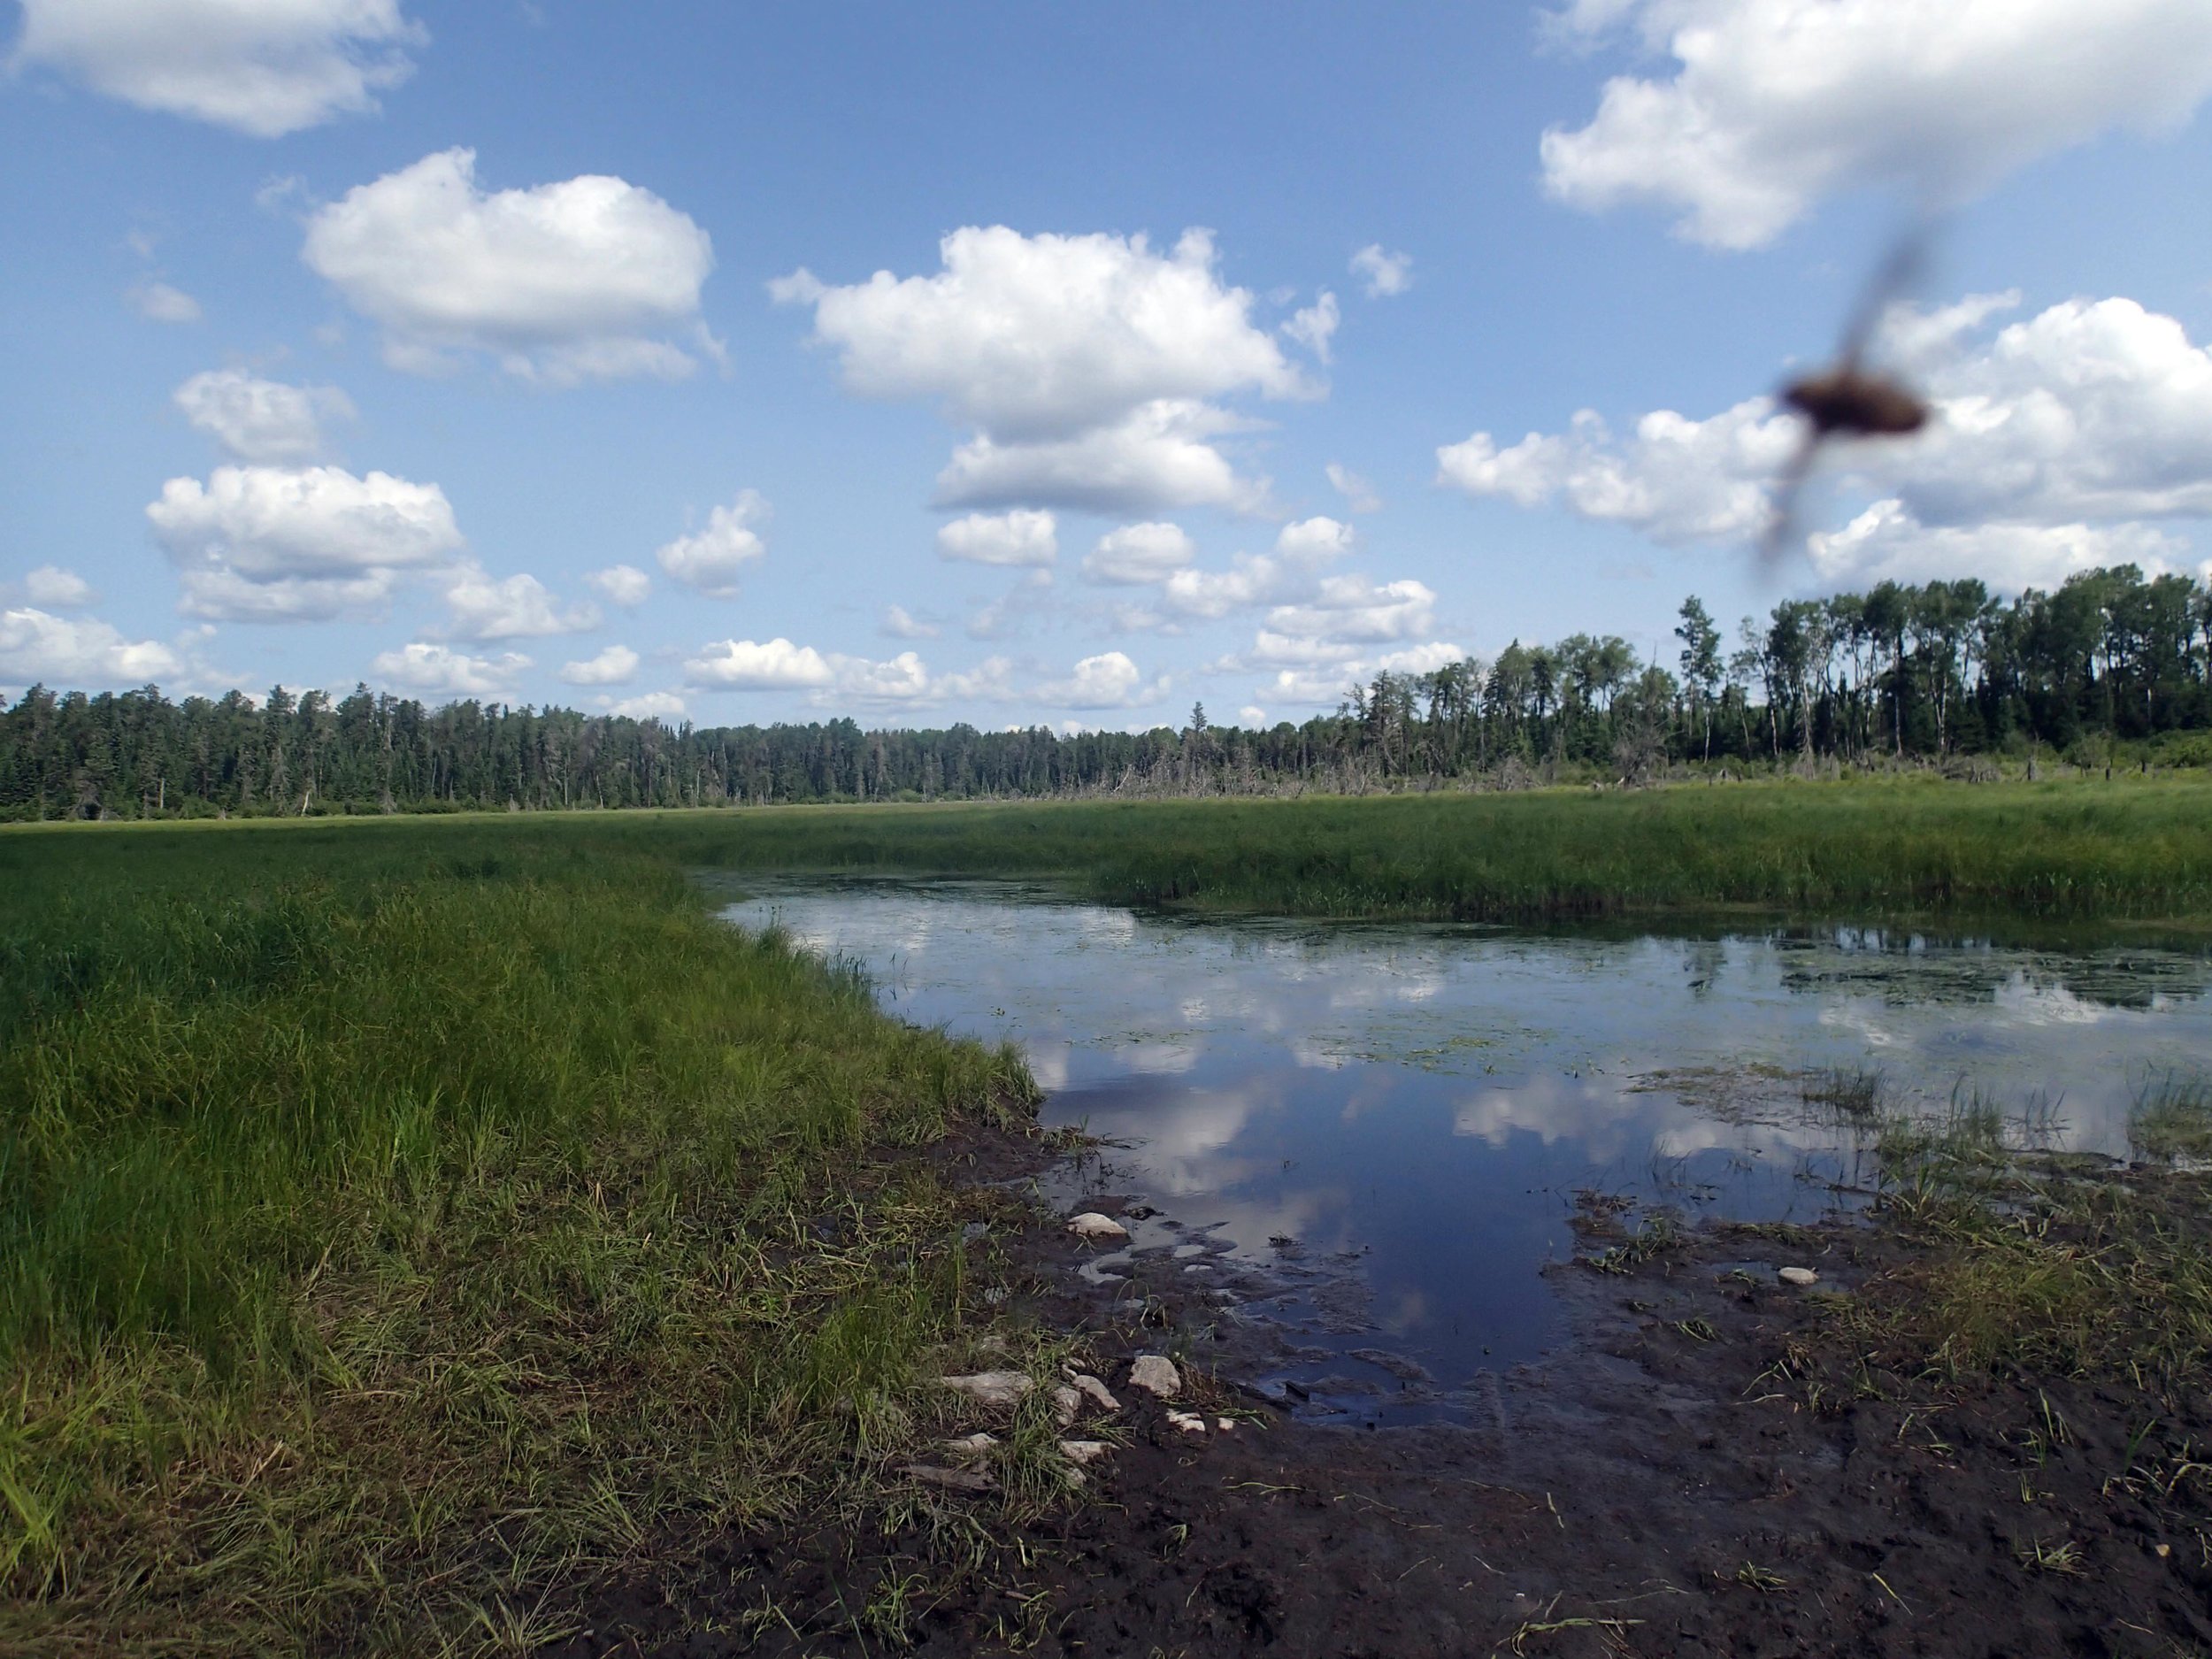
{"x": 1847, "y": 399}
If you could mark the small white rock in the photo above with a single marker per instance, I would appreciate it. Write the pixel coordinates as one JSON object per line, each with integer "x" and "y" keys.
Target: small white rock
{"x": 1101, "y": 1395}
{"x": 991, "y": 1388}
{"x": 1091, "y": 1225}
{"x": 1189, "y": 1422}
{"x": 1224, "y": 1424}
{"x": 1798, "y": 1276}
{"x": 1065, "y": 1404}
{"x": 971, "y": 1445}
{"x": 1155, "y": 1373}
{"x": 1083, "y": 1451}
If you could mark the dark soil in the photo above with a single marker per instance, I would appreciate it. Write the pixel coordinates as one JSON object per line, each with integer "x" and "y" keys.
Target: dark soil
{"x": 1709, "y": 1469}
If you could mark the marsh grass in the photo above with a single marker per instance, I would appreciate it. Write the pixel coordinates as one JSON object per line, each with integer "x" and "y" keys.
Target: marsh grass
{"x": 1857, "y": 1095}
{"x": 2023, "y": 852}
{"x": 2026, "y": 855}
{"x": 2026, "y": 1265}
{"x": 2171, "y": 1120}
{"x": 385, "y": 1250}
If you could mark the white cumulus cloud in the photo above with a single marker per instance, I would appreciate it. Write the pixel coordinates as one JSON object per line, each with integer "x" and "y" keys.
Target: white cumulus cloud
{"x": 261, "y": 420}
{"x": 268, "y": 544}
{"x": 1023, "y": 536}
{"x": 1775, "y": 104}
{"x": 261, "y": 67}
{"x": 434, "y": 671}
{"x": 1310, "y": 675}
{"x": 900, "y": 624}
{"x": 1676, "y": 479}
{"x": 1088, "y": 366}
{"x": 1046, "y": 335}
{"x": 2093, "y": 410}
{"x": 78, "y": 653}
{"x": 613, "y": 666}
{"x": 1289, "y": 572}
{"x": 1384, "y": 273}
{"x": 1161, "y": 455}
{"x": 2056, "y": 441}
{"x": 54, "y": 589}
{"x": 623, "y": 585}
{"x": 1313, "y": 542}
{"x": 520, "y": 607}
{"x": 712, "y": 560}
{"x": 835, "y": 679}
{"x": 1316, "y": 324}
{"x": 904, "y": 679}
{"x": 1109, "y": 680}
{"x": 1353, "y": 609}
{"x": 648, "y": 705}
{"x": 750, "y": 665}
{"x": 591, "y": 277}
{"x": 1888, "y": 542}
{"x": 1133, "y": 554}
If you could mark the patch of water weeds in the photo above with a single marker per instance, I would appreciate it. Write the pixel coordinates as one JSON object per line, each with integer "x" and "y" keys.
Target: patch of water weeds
{"x": 2172, "y": 1120}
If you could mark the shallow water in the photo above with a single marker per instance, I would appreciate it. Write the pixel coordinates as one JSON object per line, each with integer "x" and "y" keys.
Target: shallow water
{"x": 1413, "y": 1109}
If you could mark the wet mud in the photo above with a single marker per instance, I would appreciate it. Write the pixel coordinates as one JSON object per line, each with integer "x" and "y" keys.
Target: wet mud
{"x": 1701, "y": 1470}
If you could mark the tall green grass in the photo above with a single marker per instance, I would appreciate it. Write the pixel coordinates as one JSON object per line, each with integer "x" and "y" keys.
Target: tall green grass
{"x": 387, "y": 1240}
{"x": 2128, "y": 851}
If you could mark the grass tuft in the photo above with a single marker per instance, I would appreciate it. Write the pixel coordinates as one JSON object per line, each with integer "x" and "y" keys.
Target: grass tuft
{"x": 387, "y": 1251}
{"x": 2172, "y": 1121}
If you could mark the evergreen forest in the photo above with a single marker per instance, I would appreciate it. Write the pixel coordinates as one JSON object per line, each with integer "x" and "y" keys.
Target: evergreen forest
{"x": 2113, "y": 665}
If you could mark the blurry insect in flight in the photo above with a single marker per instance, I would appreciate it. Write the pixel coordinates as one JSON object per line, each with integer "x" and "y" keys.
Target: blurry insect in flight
{"x": 1847, "y": 399}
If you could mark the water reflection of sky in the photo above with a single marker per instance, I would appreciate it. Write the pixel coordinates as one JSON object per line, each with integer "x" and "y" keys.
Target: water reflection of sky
{"x": 1431, "y": 1098}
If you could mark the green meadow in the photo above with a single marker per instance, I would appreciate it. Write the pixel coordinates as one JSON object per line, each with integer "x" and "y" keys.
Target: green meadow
{"x": 404, "y": 1221}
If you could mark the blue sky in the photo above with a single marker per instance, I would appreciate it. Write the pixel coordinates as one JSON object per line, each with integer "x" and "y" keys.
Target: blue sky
{"x": 362, "y": 339}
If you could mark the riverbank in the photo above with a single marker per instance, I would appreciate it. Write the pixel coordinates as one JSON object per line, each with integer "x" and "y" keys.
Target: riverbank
{"x": 389, "y": 1246}
{"x": 1723, "y": 1462}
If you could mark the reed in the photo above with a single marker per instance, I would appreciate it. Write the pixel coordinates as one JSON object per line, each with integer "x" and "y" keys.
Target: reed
{"x": 2130, "y": 851}
{"x": 382, "y": 1251}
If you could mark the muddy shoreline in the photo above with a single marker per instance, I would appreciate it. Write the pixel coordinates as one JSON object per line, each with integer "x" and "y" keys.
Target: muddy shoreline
{"x": 1704, "y": 1469}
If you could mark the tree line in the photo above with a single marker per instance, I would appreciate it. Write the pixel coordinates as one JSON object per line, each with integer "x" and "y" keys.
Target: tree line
{"x": 1898, "y": 674}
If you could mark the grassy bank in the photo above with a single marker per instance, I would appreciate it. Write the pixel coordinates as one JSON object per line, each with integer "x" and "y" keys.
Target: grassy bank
{"x": 2129, "y": 850}
{"x": 395, "y": 1230}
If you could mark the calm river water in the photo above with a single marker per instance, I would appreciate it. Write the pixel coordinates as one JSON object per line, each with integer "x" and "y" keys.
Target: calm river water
{"x": 1422, "y": 1103}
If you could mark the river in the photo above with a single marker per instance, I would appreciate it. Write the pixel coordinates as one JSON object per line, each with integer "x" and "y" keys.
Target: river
{"x": 1420, "y": 1105}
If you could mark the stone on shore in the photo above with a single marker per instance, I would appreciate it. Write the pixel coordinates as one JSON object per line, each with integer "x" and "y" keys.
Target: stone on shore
{"x": 1156, "y": 1374}
{"x": 1000, "y": 1389}
{"x": 1799, "y": 1277}
{"x": 1100, "y": 1394}
{"x": 1091, "y": 1225}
